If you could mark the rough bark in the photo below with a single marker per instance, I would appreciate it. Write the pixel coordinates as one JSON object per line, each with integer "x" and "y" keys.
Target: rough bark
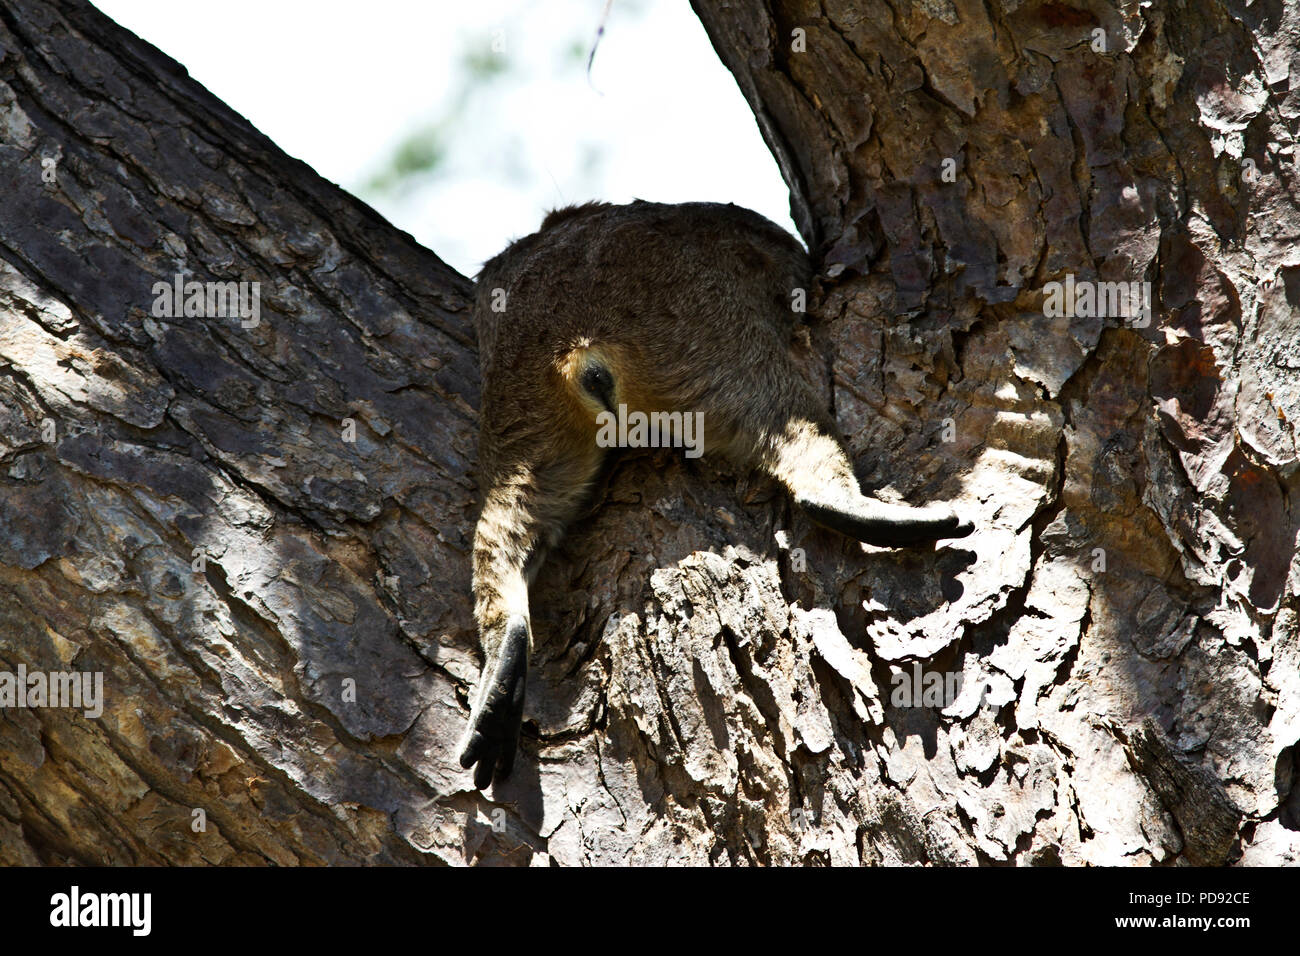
{"x": 714, "y": 678}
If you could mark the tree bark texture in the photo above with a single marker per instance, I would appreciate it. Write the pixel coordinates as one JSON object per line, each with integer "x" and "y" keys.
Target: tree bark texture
{"x": 259, "y": 536}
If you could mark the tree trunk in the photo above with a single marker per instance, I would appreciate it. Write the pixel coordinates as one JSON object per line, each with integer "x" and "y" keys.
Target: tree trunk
{"x": 258, "y": 534}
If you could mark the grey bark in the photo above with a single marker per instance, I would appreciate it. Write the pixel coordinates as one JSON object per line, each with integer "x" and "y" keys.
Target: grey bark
{"x": 715, "y": 677}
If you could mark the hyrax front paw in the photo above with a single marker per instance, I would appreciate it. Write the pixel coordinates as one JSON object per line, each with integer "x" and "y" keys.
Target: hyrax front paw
{"x": 493, "y": 734}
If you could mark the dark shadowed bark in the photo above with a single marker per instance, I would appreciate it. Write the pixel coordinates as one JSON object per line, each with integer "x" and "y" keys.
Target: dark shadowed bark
{"x": 258, "y": 534}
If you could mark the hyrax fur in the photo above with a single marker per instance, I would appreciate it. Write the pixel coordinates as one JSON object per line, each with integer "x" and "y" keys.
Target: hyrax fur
{"x": 659, "y": 308}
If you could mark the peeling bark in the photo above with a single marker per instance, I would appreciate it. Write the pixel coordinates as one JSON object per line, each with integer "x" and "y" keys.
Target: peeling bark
{"x": 1207, "y": 818}
{"x": 281, "y": 614}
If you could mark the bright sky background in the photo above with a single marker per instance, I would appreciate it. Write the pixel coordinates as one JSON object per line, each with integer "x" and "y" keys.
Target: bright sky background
{"x": 341, "y": 85}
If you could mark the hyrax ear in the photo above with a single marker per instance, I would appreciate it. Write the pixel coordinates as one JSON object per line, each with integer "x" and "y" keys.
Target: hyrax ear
{"x": 493, "y": 733}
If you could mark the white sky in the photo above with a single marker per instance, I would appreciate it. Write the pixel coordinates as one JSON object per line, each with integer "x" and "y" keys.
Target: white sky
{"x": 340, "y": 84}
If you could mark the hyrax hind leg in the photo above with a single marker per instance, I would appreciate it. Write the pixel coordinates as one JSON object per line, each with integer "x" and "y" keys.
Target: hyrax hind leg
{"x": 805, "y": 456}
{"x": 764, "y": 415}
{"x": 783, "y": 430}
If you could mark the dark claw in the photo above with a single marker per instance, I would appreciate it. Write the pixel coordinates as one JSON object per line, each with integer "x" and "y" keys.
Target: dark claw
{"x": 514, "y": 720}
{"x": 494, "y": 728}
{"x": 483, "y": 772}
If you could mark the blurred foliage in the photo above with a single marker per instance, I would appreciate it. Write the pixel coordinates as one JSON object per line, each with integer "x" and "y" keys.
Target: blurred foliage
{"x": 420, "y": 153}
{"x": 425, "y": 151}
{"x": 483, "y": 63}
{"x": 576, "y": 52}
